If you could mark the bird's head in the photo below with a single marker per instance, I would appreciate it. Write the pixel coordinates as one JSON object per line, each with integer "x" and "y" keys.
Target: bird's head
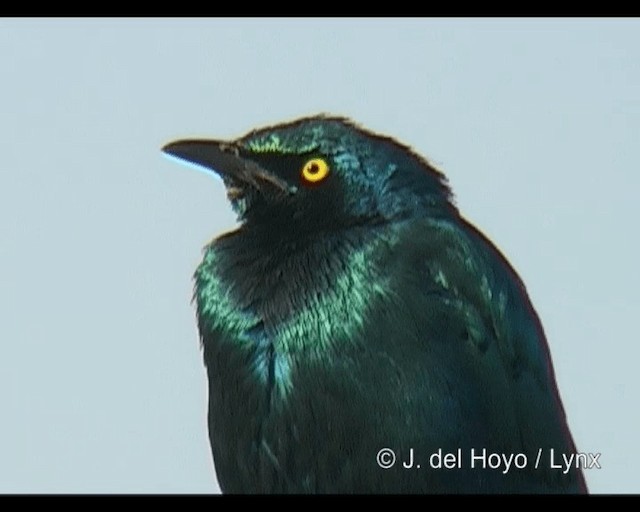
{"x": 319, "y": 173}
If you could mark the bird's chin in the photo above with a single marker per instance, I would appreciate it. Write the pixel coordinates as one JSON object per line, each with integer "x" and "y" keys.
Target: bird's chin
{"x": 235, "y": 192}
{"x": 238, "y": 195}
{"x": 240, "y": 204}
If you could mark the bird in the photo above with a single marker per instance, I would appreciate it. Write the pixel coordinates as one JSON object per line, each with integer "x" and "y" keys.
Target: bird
{"x": 359, "y": 334}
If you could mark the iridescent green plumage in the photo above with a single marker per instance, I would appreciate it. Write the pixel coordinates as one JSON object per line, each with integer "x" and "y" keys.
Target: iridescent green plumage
{"x": 359, "y": 314}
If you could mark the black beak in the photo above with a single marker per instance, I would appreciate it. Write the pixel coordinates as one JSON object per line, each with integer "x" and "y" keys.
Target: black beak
{"x": 226, "y": 159}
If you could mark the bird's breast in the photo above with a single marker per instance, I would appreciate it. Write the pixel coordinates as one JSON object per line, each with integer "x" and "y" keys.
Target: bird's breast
{"x": 281, "y": 308}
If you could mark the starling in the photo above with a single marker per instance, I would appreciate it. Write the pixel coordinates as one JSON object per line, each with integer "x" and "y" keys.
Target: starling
{"x": 361, "y": 336}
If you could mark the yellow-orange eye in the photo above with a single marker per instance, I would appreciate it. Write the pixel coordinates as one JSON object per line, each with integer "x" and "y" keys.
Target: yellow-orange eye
{"x": 315, "y": 170}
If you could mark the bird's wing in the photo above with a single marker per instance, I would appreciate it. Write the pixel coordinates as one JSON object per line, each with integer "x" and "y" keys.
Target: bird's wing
{"x": 486, "y": 341}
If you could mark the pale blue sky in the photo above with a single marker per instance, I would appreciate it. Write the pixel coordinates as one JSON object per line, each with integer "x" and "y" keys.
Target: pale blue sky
{"x": 102, "y": 388}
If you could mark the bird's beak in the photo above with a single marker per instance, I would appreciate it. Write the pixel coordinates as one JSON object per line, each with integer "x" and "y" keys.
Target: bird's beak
{"x": 227, "y": 159}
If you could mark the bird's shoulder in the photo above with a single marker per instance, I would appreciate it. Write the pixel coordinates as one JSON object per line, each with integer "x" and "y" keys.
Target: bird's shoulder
{"x": 452, "y": 267}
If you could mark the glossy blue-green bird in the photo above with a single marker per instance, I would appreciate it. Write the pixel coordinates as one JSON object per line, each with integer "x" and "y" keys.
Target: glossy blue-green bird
{"x": 353, "y": 311}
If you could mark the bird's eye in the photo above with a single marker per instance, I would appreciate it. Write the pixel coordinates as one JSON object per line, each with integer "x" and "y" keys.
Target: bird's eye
{"x": 314, "y": 171}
